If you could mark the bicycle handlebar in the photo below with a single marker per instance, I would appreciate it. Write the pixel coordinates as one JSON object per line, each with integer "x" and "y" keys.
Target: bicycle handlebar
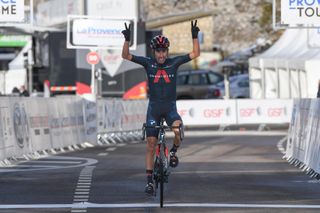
{"x": 164, "y": 127}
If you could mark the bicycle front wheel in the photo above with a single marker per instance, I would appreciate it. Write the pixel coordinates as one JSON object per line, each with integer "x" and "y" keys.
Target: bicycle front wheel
{"x": 161, "y": 168}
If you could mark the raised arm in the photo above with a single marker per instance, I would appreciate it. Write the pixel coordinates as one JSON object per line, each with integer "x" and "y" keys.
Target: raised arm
{"x": 195, "y": 42}
{"x": 125, "y": 49}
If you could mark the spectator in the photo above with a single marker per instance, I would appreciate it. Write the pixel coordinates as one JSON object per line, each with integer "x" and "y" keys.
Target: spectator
{"x": 15, "y": 91}
{"x": 24, "y": 92}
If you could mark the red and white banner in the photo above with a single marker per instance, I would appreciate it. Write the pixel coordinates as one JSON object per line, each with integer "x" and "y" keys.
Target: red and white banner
{"x": 222, "y": 112}
{"x": 207, "y": 112}
{"x": 268, "y": 111}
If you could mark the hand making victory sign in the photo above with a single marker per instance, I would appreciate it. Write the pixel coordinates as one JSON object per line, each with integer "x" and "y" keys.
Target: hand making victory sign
{"x": 127, "y": 32}
{"x": 194, "y": 29}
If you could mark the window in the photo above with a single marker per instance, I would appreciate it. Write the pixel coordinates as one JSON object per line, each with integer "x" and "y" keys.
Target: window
{"x": 198, "y": 79}
{"x": 182, "y": 79}
{"x": 244, "y": 83}
{"x": 214, "y": 78}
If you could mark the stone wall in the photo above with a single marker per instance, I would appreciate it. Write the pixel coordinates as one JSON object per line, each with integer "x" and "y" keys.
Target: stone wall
{"x": 181, "y": 39}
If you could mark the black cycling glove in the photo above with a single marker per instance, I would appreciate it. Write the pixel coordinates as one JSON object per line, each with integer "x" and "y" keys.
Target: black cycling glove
{"x": 127, "y": 32}
{"x": 194, "y": 29}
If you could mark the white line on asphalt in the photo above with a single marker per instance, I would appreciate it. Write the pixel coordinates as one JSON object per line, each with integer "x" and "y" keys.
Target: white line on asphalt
{"x": 81, "y": 193}
{"x": 32, "y": 166}
{"x": 81, "y": 196}
{"x": 280, "y": 146}
{"x": 85, "y": 186}
{"x": 84, "y": 180}
{"x": 103, "y": 154}
{"x": 82, "y": 190}
{"x": 191, "y": 134}
{"x": 110, "y": 149}
{"x": 156, "y": 205}
{"x": 78, "y": 210}
{"x": 85, "y": 162}
{"x": 80, "y": 200}
{"x": 59, "y": 161}
{"x": 239, "y": 171}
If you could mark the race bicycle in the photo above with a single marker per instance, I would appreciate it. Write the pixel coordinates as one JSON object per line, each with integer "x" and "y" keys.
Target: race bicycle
{"x": 161, "y": 168}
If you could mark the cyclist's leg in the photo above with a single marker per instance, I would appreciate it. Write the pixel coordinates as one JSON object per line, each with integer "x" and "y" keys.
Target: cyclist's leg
{"x": 174, "y": 119}
{"x": 152, "y": 134}
{"x": 177, "y": 139}
{"x": 151, "y": 144}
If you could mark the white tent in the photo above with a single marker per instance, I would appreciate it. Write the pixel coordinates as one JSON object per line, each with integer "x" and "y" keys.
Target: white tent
{"x": 16, "y": 76}
{"x": 288, "y": 68}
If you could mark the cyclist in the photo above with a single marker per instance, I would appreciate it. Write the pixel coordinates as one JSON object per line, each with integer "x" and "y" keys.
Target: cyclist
{"x": 162, "y": 75}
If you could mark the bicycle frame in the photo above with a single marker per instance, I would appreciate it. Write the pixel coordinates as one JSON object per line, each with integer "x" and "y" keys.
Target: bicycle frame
{"x": 161, "y": 170}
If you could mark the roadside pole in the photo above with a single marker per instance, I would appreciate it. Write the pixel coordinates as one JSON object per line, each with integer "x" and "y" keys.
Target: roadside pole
{"x": 93, "y": 91}
{"x": 226, "y": 70}
{"x": 93, "y": 59}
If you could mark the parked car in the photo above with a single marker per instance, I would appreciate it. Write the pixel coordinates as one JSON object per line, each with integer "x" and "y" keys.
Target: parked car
{"x": 239, "y": 88}
{"x": 194, "y": 84}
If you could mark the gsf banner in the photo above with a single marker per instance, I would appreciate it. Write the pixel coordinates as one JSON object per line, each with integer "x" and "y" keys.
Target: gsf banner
{"x": 224, "y": 112}
{"x": 207, "y": 112}
{"x": 269, "y": 111}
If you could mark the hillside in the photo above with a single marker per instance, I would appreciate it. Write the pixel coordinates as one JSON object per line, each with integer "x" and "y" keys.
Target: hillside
{"x": 236, "y": 24}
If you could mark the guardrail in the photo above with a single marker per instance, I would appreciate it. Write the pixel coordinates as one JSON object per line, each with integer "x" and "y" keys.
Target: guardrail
{"x": 29, "y": 126}
{"x": 235, "y": 112}
{"x": 303, "y": 142}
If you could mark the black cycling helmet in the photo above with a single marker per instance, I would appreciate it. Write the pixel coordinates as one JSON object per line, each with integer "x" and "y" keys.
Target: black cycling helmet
{"x": 159, "y": 41}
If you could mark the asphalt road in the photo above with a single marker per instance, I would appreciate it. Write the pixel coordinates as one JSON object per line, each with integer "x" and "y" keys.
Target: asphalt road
{"x": 215, "y": 174}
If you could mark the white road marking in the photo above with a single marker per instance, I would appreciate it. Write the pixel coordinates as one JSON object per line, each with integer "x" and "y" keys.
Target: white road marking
{"x": 84, "y": 186}
{"x": 239, "y": 171}
{"x": 111, "y": 149}
{"x": 81, "y": 162}
{"x": 82, "y": 190}
{"x": 31, "y": 166}
{"x": 56, "y": 162}
{"x": 84, "y": 180}
{"x": 78, "y": 210}
{"x": 81, "y": 193}
{"x": 280, "y": 146}
{"x": 81, "y": 196}
{"x": 156, "y": 205}
{"x": 103, "y": 154}
{"x": 84, "y": 183}
{"x": 193, "y": 134}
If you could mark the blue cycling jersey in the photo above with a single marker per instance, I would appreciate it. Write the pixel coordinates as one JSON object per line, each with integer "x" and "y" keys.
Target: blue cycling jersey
{"x": 162, "y": 78}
